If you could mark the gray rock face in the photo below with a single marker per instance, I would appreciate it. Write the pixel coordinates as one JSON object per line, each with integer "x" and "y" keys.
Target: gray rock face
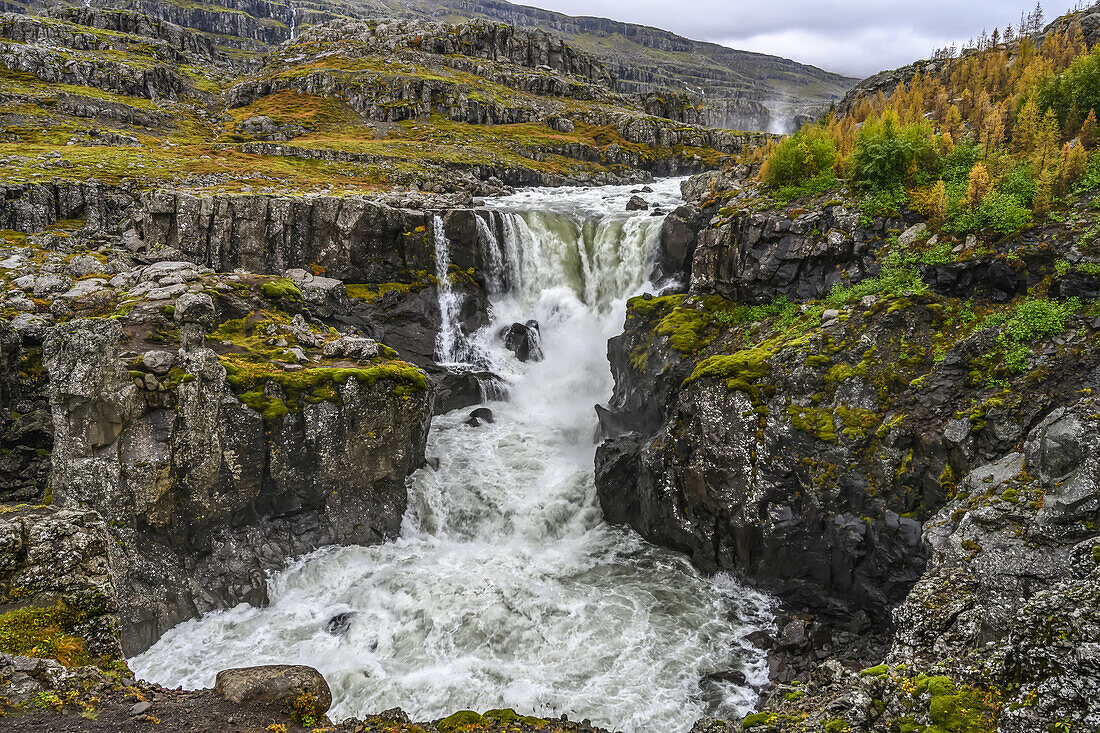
{"x": 152, "y": 82}
{"x": 1013, "y": 584}
{"x": 26, "y": 677}
{"x": 84, "y": 265}
{"x": 351, "y": 347}
{"x": 739, "y": 112}
{"x": 765, "y": 254}
{"x": 49, "y": 285}
{"x": 736, "y": 471}
{"x": 26, "y": 432}
{"x": 202, "y": 494}
{"x": 158, "y": 361}
{"x": 354, "y": 239}
{"x": 524, "y": 340}
{"x": 245, "y": 24}
{"x": 678, "y": 234}
{"x": 326, "y": 296}
{"x": 49, "y": 555}
{"x": 276, "y": 684}
{"x": 525, "y": 47}
{"x": 197, "y": 308}
{"x": 68, "y": 27}
{"x": 32, "y": 207}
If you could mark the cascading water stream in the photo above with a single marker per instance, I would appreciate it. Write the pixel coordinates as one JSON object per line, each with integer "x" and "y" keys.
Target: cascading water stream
{"x": 450, "y": 337}
{"x": 506, "y": 588}
{"x": 453, "y": 348}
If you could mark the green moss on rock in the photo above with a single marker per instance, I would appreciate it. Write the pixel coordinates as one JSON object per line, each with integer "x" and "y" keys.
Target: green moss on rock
{"x": 462, "y": 720}
{"x": 281, "y": 288}
{"x": 44, "y": 632}
{"x": 757, "y": 720}
{"x": 741, "y": 370}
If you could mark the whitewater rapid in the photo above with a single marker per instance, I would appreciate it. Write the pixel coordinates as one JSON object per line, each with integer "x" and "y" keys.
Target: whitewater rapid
{"x": 505, "y": 587}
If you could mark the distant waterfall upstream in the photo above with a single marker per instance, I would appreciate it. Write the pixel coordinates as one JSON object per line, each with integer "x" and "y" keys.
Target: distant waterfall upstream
{"x": 506, "y": 588}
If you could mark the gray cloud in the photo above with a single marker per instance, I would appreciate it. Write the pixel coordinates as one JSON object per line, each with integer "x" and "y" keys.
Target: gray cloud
{"x": 855, "y": 37}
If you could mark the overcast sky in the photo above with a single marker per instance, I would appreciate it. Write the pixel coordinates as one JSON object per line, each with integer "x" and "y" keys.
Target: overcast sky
{"x": 854, "y": 37}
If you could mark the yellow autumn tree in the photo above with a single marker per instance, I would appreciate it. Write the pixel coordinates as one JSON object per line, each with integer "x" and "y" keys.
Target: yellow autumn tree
{"x": 1047, "y": 141}
{"x": 1088, "y": 130}
{"x": 1026, "y": 128}
{"x": 979, "y": 186}
{"x": 937, "y": 204}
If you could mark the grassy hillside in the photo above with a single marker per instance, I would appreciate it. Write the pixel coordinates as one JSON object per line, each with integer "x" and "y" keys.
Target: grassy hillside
{"x": 350, "y": 106}
{"x": 738, "y": 87}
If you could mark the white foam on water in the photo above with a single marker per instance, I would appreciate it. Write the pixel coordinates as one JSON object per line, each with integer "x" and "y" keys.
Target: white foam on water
{"x": 505, "y": 587}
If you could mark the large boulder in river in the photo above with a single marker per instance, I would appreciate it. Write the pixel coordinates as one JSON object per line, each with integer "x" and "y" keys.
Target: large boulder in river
{"x": 524, "y": 340}
{"x": 277, "y": 684}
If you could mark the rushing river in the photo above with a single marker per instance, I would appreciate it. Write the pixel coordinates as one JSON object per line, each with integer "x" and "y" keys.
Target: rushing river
{"x": 506, "y": 588}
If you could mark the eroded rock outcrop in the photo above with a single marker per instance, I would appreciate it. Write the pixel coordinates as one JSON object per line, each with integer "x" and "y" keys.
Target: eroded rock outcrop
{"x": 1000, "y": 631}
{"x": 204, "y": 492}
{"x": 32, "y": 207}
{"x": 807, "y": 456}
{"x": 56, "y": 559}
{"x": 355, "y": 239}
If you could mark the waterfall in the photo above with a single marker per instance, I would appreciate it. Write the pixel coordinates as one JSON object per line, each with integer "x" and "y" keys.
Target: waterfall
{"x": 494, "y": 265}
{"x": 450, "y": 340}
{"x": 506, "y": 588}
{"x": 293, "y": 22}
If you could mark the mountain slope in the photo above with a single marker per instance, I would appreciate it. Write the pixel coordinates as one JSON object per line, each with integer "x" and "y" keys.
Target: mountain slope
{"x": 740, "y": 90}
{"x": 644, "y": 58}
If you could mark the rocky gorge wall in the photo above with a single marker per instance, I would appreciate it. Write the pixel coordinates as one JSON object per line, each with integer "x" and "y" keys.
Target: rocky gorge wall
{"x": 870, "y": 458}
{"x": 214, "y": 462}
{"x": 205, "y": 494}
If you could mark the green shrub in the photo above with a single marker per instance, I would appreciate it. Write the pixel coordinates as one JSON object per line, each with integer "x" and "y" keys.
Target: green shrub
{"x": 889, "y": 155}
{"x": 998, "y": 211}
{"x": 1039, "y": 318}
{"x": 819, "y": 184}
{"x": 1021, "y": 183}
{"x": 1079, "y": 86}
{"x": 898, "y": 275}
{"x": 1091, "y": 178}
{"x": 1003, "y": 213}
{"x": 880, "y": 202}
{"x": 805, "y": 155}
{"x": 938, "y": 254}
{"x": 1032, "y": 319}
{"x": 961, "y": 160}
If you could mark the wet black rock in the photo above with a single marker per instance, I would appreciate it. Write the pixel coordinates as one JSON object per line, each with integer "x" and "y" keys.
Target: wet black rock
{"x": 637, "y": 203}
{"x": 456, "y": 390}
{"x": 524, "y": 340}
{"x": 339, "y": 624}
{"x": 678, "y": 237}
{"x": 484, "y": 414}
